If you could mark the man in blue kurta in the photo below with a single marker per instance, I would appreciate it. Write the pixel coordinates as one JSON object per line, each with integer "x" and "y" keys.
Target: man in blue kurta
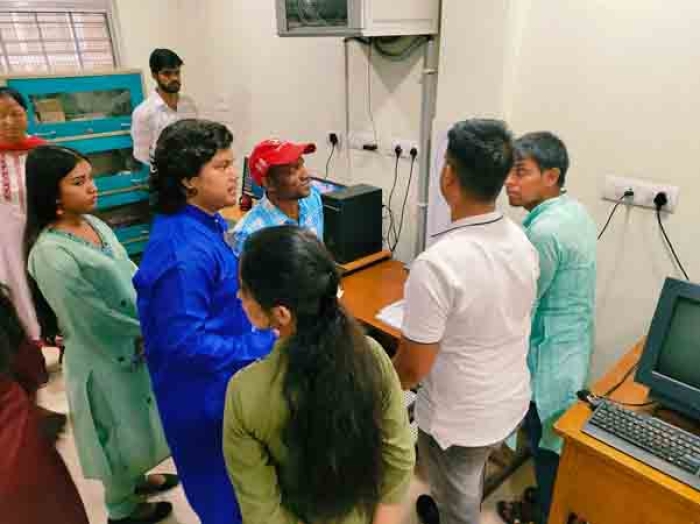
{"x": 561, "y": 340}
{"x": 195, "y": 330}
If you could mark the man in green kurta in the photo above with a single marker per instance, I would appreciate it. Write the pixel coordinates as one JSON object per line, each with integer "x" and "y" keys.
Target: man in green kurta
{"x": 561, "y": 340}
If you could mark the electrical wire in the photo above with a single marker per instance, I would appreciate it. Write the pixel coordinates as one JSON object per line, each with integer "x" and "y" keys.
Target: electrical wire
{"x": 392, "y": 223}
{"x": 405, "y": 200}
{"x": 369, "y": 91}
{"x": 628, "y": 193}
{"x": 670, "y": 244}
{"x": 627, "y": 375}
{"x": 328, "y": 162}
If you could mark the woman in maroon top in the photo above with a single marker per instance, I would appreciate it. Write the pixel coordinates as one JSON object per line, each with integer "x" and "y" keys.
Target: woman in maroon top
{"x": 35, "y": 486}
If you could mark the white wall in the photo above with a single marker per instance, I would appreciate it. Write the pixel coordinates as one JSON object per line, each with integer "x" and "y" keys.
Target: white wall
{"x": 616, "y": 81}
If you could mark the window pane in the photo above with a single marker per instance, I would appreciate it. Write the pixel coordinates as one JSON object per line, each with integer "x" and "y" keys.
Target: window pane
{"x": 64, "y": 62}
{"x": 28, "y": 36}
{"x": 27, "y": 63}
{"x": 25, "y": 48}
{"x": 66, "y": 46}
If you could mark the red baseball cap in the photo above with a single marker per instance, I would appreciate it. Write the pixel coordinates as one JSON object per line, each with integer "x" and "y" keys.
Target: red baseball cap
{"x": 275, "y": 153}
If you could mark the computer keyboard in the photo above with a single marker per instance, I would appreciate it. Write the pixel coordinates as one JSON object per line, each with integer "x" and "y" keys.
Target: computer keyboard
{"x": 658, "y": 444}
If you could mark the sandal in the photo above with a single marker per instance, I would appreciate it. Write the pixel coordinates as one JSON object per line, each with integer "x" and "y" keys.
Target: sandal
{"x": 517, "y": 512}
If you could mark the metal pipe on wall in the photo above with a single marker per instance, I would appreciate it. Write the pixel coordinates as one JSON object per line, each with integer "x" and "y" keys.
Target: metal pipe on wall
{"x": 428, "y": 107}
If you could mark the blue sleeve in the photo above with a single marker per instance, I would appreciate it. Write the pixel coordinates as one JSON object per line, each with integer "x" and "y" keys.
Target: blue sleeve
{"x": 179, "y": 310}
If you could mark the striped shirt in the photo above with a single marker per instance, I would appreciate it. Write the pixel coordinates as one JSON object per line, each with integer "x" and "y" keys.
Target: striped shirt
{"x": 151, "y": 117}
{"x": 266, "y": 214}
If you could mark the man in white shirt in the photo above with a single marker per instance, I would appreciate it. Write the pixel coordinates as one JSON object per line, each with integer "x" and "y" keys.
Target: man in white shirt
{"x": 163, "y": 107}
{"x": 467, "y": 323}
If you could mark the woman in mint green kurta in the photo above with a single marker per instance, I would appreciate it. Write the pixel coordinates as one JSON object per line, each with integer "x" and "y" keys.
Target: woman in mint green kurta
{"x": 84, "y": 277}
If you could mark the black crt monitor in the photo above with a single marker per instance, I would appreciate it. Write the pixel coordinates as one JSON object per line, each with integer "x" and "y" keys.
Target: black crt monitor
{"x": 670, "y": 362}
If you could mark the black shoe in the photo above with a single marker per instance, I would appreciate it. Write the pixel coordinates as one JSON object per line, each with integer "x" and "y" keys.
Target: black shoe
{"x": 147, "y": 489}
{"x": 427, "y": 510}
{"x": 161, "y": 510}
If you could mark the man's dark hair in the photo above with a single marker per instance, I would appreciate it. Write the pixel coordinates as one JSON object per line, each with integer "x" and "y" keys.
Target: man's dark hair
{"x": 481, "y": 153}
{"x": 14, "y": 95}
{"x": 183, "y": 148}
{"x": 546, "y": 150}
{"x": 164, "y": 59}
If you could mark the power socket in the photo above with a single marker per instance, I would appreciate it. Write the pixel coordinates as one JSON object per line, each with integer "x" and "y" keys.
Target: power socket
{"x": 644, "y": 192}
{"x": 338, "y": 137}
{"x": 405, "y": 145}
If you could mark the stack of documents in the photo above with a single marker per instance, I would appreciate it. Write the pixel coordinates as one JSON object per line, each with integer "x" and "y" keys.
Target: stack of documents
{"x": 392, "y": 314}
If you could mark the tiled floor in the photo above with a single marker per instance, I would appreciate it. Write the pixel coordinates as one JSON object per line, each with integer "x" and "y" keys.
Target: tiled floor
{"x": 53, "y": 397}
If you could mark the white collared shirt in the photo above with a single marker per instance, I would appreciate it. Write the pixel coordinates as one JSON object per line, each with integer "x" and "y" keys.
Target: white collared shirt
{"x": 151, "y": 117}
{"x": 473, "y": 292}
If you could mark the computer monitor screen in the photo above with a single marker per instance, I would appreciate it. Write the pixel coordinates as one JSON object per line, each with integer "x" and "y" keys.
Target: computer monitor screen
{"x": 670, "y": 362}
{"x": 325, "y": 186}
{"x": 250, "y": 188}
{"x": 679, "y": 358}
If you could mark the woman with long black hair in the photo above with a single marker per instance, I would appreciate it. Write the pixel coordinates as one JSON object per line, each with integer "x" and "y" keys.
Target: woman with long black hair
{"x": 83, "y": 279}
{"x": 316, "y": 432}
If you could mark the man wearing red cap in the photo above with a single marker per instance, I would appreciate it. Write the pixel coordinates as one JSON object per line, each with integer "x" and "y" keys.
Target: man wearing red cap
{"x": 290, "y": 198}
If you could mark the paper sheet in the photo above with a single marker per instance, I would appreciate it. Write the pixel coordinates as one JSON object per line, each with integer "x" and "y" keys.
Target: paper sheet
{"x": 392, "y": 314}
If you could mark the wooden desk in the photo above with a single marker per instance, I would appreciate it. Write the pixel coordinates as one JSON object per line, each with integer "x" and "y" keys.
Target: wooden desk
{"x": 368, "y": 290}
{"x": 603, "y": 486}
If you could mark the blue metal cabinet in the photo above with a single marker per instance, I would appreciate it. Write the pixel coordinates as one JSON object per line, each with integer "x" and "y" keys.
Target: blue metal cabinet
{"x": 120, "y": 178}
{"x": 92, "y": 114}
{"x": 131, "y": 222}
{"x": 69, "y": 106}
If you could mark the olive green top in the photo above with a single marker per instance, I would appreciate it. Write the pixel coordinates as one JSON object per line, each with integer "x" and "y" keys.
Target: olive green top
{"x": 256, "y": 413}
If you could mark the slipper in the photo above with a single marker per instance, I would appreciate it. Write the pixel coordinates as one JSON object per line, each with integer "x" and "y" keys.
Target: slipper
{"x": 146, "y": 488}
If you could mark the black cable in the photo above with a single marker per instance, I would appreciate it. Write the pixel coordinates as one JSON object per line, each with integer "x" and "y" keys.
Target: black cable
{"x": 405, "y": 199}
{"x": 627, "y": 375}
{"x": 668, "y": 241}
{"x": 628, "y": 193}
{"x": 369, "y": 91}
{"x": 392, "y": 224}
{"x": 390, "y": 216}
{"x": 328, "y": 162}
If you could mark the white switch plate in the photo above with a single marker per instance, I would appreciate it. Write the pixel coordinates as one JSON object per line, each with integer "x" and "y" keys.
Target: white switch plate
{"x": 644, "y": 192}
{"x": 406, "y": 146}
{"x": 357, "y": 140}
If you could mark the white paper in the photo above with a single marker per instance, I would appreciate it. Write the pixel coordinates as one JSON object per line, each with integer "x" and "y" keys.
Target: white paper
{"x": 392, "y": 314}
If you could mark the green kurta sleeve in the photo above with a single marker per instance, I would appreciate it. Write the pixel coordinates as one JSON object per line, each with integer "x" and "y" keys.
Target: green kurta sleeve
{"x": 251, "y": 468}
{"x": 66, "y": 289}
{"x": 398, "y": 453}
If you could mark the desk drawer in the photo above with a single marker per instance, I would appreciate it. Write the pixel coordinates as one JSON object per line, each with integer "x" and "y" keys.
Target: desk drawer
{"x": 600, "y": 491}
